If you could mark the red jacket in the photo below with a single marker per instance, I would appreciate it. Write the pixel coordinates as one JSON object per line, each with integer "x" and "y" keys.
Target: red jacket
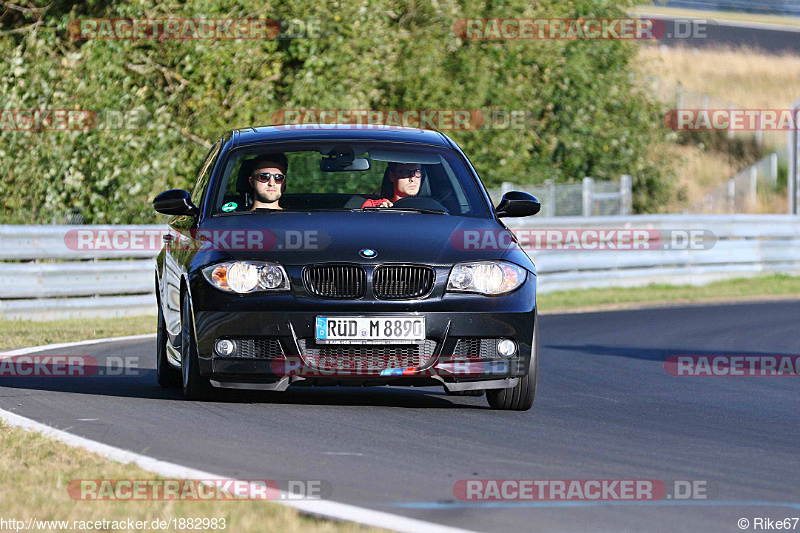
{"x": 374, "y": 203}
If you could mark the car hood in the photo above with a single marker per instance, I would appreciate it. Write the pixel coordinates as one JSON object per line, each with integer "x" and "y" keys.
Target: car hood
{"x": 314, "y": 237}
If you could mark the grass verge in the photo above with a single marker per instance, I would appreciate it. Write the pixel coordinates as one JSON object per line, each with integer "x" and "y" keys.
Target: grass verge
{"x": 21, "y": 333}
{"x": 771, "y": 286}
{"x": 39, "y": 470}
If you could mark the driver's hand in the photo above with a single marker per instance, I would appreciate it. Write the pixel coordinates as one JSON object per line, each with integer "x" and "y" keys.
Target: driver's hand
{"x": 387, "y": 203}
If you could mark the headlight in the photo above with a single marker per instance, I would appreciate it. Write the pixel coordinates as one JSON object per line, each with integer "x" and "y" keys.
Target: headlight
{"x": 486, "y": 277}
{"x": 247, "y": 276}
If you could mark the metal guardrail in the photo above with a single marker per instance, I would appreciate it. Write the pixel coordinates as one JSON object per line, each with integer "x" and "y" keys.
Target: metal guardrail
{"x": 745, "y": 245}
{"x": 48, "y": 279}
{"x": 43, "y": 277}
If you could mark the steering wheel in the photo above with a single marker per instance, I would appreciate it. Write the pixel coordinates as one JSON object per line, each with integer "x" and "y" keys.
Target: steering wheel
{"x": 418, "y": 202}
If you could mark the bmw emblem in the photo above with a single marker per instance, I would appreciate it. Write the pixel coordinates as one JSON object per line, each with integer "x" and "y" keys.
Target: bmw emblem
{"x": 368, "y": 253}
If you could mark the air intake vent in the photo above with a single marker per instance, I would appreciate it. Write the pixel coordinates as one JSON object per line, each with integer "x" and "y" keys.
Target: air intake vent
{"x": 474, "y": 347}
{"x": 369, "y": 357}
{"x": 393, "y": 282}
{"x": 335, "y": 281}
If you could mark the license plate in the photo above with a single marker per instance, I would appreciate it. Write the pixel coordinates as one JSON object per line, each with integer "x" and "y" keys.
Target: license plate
{"x": 370, "y": 330}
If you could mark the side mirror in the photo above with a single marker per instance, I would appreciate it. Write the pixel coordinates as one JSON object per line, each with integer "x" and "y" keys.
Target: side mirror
{"x": 518, "y": 204}
{"x": 175, "y": 202}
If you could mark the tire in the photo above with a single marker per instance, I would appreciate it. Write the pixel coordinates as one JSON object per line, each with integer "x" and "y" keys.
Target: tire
{"x": 168, "y": 376}
{"x": 521, "y": 397}
{"x": 477, "y": 392}
{"x": 195, "y": 386}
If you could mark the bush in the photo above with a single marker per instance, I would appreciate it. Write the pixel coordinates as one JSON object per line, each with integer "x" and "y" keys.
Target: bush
{"x": 586, "y": 116}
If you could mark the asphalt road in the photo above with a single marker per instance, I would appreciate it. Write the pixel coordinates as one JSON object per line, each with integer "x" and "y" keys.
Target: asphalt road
{"x": 709, "y": 32}
{"x": 606, "y": 409}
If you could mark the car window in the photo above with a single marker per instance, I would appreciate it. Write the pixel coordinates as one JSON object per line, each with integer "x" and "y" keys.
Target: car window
{"x": 204, "y": 174}
{"x": 315, "y": 179}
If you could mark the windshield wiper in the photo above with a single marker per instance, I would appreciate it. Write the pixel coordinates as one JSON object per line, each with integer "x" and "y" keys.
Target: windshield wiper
{"x": 404, "y": 210}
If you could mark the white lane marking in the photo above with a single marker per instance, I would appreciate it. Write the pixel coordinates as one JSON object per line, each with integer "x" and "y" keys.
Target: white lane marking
{"x": 86, "y": 419}
{"x": 322, "y": 508}
{"x": 595, "y": 396}
{"x": 343, "y": 453}
{"x": 43, "y": 347}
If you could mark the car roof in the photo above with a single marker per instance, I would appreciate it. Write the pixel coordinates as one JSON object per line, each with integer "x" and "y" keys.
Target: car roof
{"x": 339, "y": 132}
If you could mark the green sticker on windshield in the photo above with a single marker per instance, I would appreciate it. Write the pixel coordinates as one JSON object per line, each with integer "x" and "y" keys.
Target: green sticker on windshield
{"x": 230, "y": 206}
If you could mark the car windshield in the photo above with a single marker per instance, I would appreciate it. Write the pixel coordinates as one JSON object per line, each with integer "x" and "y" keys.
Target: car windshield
{"x": 346, "y": 176}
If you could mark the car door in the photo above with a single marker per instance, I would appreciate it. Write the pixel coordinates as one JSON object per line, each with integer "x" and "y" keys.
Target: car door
{"x": 178, "y": 244}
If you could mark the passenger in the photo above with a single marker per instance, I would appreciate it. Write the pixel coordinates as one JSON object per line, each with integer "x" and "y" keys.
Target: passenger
{"x": 406, "y": 179}
{"x": 268, "y": 180}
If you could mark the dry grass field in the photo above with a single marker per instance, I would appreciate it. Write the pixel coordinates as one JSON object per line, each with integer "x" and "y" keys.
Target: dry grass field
{"x": 747, "y": 78}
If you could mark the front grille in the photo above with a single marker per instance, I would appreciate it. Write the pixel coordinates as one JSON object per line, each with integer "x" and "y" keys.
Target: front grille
{"x": 371, "y": 357}
{"x": 335, "y": 281}
{"x": 472, "y": 347}
{"x": 258, "y": 348}
{"x": 402, "y": 281}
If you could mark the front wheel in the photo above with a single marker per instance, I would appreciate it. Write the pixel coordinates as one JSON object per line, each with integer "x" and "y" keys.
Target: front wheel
{"x": 195, "y": 386}
{"x": 522, "y": 396}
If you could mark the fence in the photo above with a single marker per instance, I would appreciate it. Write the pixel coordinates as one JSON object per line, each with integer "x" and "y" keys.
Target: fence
{"x": 793, "y": 139}
{"x": 741, "y": 192}
{"x": 48, "y": 280}
{"x": 681, "y": 97}
{"x": 589, "y": 198}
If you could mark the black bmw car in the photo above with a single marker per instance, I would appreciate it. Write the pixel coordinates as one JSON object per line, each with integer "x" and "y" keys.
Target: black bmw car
{"x": 347, "y": 255}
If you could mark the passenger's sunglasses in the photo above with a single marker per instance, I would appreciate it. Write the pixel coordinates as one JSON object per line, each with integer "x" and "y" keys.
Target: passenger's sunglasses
{"x": 264, "y": 177}
{"x": 407, "y": 173}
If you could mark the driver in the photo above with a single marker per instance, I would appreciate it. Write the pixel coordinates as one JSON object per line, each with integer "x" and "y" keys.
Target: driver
{"x": 268, "y": 180}
{"x": 406, "y": 179}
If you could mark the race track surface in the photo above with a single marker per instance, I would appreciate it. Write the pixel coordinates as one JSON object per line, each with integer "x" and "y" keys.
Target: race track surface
{"x": 713, "y": 33}
{"x": 606, "y": 409}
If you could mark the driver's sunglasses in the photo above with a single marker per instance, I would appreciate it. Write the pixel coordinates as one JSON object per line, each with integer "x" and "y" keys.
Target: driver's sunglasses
{"x": 407, "y": 173}
{"x": 264, "y": 177}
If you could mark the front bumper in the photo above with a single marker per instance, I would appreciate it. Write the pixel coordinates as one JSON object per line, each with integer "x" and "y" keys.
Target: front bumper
{"x": 291, "y": 321}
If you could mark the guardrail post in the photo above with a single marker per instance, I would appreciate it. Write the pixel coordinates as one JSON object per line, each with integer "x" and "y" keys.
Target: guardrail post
{"x": 550, "y": 208}
{"x": 794, "y": 147}
{"x": 626, "y": 194}
{"x": 731, "y": 195}
{"x": 505, "y": 187}
{"x": 773, "y": 169}
{"x": 588, "y": 196}
{"x": 753, "y": 195}
{"x": 759, "y": 131}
